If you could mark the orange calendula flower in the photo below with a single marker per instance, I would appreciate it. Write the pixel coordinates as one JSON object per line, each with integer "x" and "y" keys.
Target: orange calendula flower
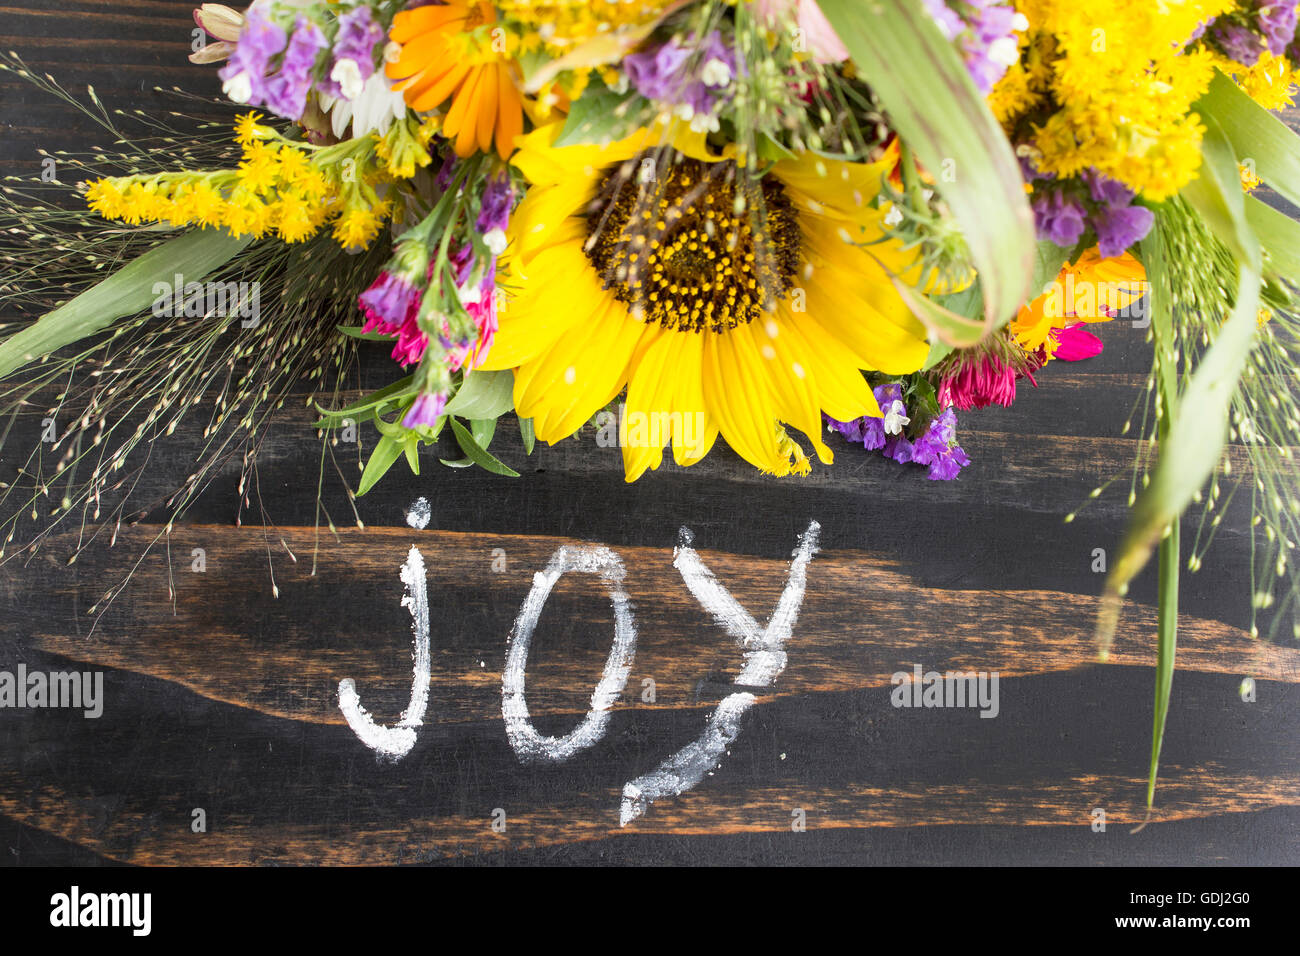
{"x": 449, "y": 55}
{"x": 1092, "y": 289}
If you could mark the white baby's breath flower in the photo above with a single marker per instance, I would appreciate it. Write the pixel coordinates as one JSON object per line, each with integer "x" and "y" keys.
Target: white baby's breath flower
{"x": 495, "y": 240}
{"x": 896, "y": 418}
{"x": 715, "y": 73}
{"x": 1004, "y": 51}
{"x": 238, "y": 88}
{"x": 347, "y": 75}
{"x": 704, "y": 123}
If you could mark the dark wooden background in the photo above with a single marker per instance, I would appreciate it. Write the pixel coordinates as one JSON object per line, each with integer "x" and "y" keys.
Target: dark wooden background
{"x": 225, "y": 699}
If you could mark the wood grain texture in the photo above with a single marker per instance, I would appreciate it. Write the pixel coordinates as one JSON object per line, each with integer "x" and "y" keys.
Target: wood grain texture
{"x": 222, "y": 696}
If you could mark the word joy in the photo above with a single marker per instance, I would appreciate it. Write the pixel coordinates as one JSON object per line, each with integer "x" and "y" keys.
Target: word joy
{"x": 762, "y": 651}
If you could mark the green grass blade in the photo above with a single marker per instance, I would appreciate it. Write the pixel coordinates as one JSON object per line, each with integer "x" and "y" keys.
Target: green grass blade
{"x": 1279, "y": 234}
{"x": 128, "y": 291}
{"x": 1166, "y": 649}
{"x": 1194, "y": 428}
{"x": 939, "y": 113}
{"x": 1256, "y": 135}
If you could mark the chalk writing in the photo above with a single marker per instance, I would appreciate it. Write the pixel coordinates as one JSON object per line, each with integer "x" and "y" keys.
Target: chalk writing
{"x": 763, "y": 652}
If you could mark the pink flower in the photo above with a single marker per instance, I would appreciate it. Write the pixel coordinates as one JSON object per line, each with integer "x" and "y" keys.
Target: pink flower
{"x": 1073, "y": 343}
{"x": 986, "y": 380}
{"x": 815, "y": 32}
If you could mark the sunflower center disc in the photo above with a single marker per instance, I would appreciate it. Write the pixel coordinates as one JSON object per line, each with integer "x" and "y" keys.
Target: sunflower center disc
{"x": 692, "y": 246}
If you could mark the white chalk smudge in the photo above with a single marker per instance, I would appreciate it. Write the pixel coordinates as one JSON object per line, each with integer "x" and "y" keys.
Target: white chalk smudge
{"x": 765, "y": 659}
{"x": 419, "y": 514}
{"x": 529, "y": 745}
{"x": 396, "y": 742}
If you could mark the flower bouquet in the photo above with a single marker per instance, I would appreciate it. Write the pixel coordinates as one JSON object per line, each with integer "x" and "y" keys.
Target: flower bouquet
{"x": 750, "y": 222}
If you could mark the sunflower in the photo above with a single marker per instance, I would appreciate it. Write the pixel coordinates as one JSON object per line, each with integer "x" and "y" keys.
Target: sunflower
{"x": 725, "y": 302}
{"x": 446, "y": 57}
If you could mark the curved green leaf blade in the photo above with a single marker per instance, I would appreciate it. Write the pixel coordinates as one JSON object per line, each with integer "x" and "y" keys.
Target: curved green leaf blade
{"x": 127, "y": 291}
{"x": 940, "y": 114}
{"x": 477, "y": 455}
{"x": 1256, "y": 135}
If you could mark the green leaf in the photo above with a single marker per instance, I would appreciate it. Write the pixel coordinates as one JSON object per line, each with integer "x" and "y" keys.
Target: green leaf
{"x": 128, "y": 291}
{"x": 393, "y": 392}
{"x": 477, "y": 454}
{"x": 483, "y": 395}
{"x": 1166, "y": 650}
{"x": 527, "y": 434}
{"x": 1049, "y": 259}
{"x": 1192, "y": 427}
{"x": 600, "y": 115}
{"x": 381, "y": 459}
{"x": 483, "y": 429}
{"x": 1195, "y": 431}
{"x": 1279, "y": 234}
{"x": 1257, "y": 135}
{"x": 412, "y": 449}
{"x": 1216, "y": 194}
{"x": 934, "y": 105}
{"x": 355, "y": 332}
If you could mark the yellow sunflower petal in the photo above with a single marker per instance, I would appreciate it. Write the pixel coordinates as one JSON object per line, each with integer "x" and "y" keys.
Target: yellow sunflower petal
{"x": 793, "y": 384}
{"x": 558, "y": 292}
{"x": 692, "y": 443}
{"x": 870, "y": 320}
{"x": 842, "y": 392}
{"x": 737, "y": 396}
{"x": 649, "y": 404}
{"x": 570, "y": 382}
{"x": 547, "y": 214}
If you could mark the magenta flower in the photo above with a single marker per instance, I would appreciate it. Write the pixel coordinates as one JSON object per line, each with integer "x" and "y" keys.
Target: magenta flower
{"x": 979, "y": 382}
{"x": 1074, "y": 343}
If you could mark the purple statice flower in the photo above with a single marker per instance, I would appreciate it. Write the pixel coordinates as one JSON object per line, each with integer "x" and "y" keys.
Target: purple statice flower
{"x": 938, "y": 448}
{"x": 1240, "y": 43}
{"x": 948, "y": 464}
{"x": 448, "y": 169}
{"x": 695, "y": 78}
{"x": 1200, "y": 30}
{"x": 244, "y": 75}
{"x": 884, "y": 432}
{"x": 286, "y": 91}
{"x": 1118, "y": 223}
{"x": 425, "y": 410}
{"x": 354, "y": 54}
{"x": 494, "y": 212}
{"x": 949, "y": 20}
{"x": 985, "y": 31}
{"x": 1277, "y": 21}
{"x": 1059, "y": 218}
{"x": 1119, "y": 228}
